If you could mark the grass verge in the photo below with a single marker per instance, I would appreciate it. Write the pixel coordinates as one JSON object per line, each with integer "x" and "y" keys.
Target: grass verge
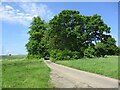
{"x": 105, "y": 66}
{"x": 25, "y": 74}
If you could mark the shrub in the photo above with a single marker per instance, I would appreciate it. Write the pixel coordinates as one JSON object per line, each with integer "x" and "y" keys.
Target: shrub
{"x": 76, "y": 55}
{"x": 117, "y": 51}
{"x": 59, "y": 55}
{"x": 53, "y": 53}
{"x": 100, "y": 50}
{"x": 67, "y": 54}
{"x": 52, "y": 59}
{"x": 33, "y": 56}
{"x": 56, "y": 54}
{"x": 64, "y": 54}
{"x": 89, "y": 52}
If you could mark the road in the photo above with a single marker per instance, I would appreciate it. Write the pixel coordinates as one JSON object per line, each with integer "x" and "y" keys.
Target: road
{"x": 66, "y": 77}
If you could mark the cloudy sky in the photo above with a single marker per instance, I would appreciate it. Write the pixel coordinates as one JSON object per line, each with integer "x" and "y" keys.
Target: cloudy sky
{"x": 16, "y": 18}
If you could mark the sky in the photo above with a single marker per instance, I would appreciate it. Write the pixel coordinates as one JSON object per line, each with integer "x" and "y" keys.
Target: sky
{"x": 16, "y": 18}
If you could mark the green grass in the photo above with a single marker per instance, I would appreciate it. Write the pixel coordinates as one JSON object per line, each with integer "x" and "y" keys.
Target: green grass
{"x": 21, "y": 73}
{"x": 107, "y": 66}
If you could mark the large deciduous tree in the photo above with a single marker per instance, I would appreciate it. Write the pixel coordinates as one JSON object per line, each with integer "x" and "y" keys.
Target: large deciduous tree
{"x": 35, "y": 47}
{"x": 70, "y": 35}
{"x": 73, "y": 31}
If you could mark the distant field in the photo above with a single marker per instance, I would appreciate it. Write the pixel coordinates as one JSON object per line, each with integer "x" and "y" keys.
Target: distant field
{"x": 6, "y": 57}
{"x": 22, "y": 73}
{"x": 105, "y": 66}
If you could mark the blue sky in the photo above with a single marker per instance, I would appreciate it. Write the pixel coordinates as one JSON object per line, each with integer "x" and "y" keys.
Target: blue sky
{"x": 16, "y": 17}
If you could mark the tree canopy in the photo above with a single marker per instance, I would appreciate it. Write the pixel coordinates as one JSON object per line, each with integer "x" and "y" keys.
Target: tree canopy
{"x": 70, "y": 35}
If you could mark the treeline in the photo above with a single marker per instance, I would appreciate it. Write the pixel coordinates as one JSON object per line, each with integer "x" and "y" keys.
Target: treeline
{"x": 70, "y": 35}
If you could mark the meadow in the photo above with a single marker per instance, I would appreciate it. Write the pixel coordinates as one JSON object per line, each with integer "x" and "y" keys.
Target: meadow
{"x": 19, "y": 72}
{"x": 107, "y": 66}
{"x": 13, "y": 57}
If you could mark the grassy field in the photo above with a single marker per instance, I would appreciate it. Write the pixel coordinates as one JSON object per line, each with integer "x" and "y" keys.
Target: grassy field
{"x": 20, "y": 73}
{"x": 13, "y": 57}
{"x": 105, "y": 66}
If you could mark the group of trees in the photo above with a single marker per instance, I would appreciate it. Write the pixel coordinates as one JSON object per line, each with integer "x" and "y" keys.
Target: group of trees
{"x": 70, "y": 35}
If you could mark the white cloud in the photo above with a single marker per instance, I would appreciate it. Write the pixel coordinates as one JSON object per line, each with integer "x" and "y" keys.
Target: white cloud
{"x": 40, "y": 9}
{"x": 8, "y": 7}
{"x": 25, "y": 13}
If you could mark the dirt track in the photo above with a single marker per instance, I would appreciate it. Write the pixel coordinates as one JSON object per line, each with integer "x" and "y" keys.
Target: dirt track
{"x": 65, "y": 77}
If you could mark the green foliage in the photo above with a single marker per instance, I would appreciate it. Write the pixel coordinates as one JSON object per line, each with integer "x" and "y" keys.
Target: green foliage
{"x": 63, "y": 30}
{"x": 67, "y": 54}
{"x": 111, "y": 46}
{"x": 75, "y": 32}
{"x": 106, "y": 47}
{"x": 70, "y": 35}
{"x": 77, "y": 55}
{"x": 117, "y": 49}
{"x": 89, "y": 52}
{"x": 100, "y": 49}
{"x": 64, "y": 54}
{"x": 59, "y": 54}
{"x": 52, "y": 59}
{"x": 53, "y": 53}
{"x": 35, "y": 46}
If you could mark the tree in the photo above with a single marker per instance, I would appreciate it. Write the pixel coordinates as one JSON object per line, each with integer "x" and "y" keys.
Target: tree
{"x": 63, "y": 32}
{"x": 73, "y": 31}
{"x": 35, "y": 47}
{"x": 95, "y": 29}
{"x": 70, "y": 35}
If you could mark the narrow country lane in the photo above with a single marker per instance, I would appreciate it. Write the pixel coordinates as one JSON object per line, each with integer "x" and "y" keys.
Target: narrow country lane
{"x": 66, "y": 77}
